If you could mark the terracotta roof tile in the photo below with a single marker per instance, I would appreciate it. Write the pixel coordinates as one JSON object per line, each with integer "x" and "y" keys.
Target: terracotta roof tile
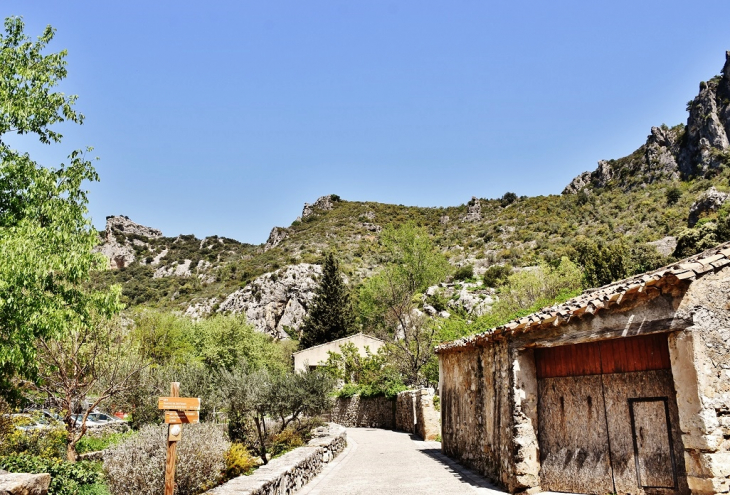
{"x": 593, "y": 299}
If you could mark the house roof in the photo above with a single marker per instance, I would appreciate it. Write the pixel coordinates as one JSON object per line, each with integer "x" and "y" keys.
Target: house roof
{"x": 594, "y": 300}
{"x": 343, "y": 339}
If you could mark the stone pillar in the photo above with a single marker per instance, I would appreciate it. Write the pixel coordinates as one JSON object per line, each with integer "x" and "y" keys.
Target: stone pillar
{"x": 526, "y": 474}
{"x": 428, "y": 419}
{"x": 706, "y": 458}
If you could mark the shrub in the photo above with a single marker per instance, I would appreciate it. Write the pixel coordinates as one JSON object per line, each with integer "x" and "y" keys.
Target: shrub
{"x": 496, "y": 275}
{"x": 465, "y": 272}
{"x": 49, "y": 443}
{"x": 95, "y": 444}
{"x": 238, "y": 461}
{"x": 137, "y": 465}
{"x": 508, "y": 199}
{"x": 67, "y": 478}
{"x": 673, "y": 194}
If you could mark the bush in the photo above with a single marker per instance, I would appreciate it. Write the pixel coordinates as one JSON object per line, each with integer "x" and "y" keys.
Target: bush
{"x": 95, "y": 444}
{"x": 238, "y": 461}
{"x": 67, "y": 478}
{"x": 465, "y": 272}
{"x": 48, "y": 443}
{"x": 673, "y": 194}
{"x": 496, "y": 275}
{"x": 508, "y": 199}
{"x": 137, "y": 465}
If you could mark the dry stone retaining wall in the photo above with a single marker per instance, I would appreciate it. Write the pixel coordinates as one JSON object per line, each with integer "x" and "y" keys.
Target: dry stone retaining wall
{"x": 354, "y": 412}
{"x": 405, "y": 411}
{"x": 288, "y": 473}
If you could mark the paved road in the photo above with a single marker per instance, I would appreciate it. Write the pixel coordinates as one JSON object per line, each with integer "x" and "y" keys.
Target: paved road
{"x": 383, "y": 462}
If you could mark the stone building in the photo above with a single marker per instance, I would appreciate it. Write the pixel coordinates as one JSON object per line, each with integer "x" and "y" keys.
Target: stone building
{"x": 623, "y": 389}
{"x": 318, "y": 354}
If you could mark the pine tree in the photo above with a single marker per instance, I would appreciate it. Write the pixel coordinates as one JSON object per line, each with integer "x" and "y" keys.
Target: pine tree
{"x": 331, "y": 315}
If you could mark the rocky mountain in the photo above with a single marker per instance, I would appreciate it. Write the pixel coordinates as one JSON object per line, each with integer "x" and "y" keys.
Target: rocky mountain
{"x": 652, "y": 201}
{"x": 698, "y": 148}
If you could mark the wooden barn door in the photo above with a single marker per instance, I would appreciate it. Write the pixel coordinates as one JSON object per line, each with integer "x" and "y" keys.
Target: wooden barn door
{"x": 607, "y": 418}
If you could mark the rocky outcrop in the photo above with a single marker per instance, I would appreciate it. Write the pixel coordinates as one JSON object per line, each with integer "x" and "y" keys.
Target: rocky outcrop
{"x": 323, "y": 203}
{"x": 669, "y": 154}
{"x": 119, "y": 236}
{"x": 665, "y": 246}
{"x": 276, "y": 235}
{"x": 473, "y": 210}
{"x": 709, "y": 201}
{"x": 473, "y": 298}
{"x": 275, "y": 302}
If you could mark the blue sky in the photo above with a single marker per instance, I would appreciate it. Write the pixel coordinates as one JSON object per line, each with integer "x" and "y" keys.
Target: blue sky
{"x": 225, "y": 117}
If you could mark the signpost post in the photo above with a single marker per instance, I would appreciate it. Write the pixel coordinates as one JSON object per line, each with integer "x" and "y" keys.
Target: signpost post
{"x": 178, "y": 410}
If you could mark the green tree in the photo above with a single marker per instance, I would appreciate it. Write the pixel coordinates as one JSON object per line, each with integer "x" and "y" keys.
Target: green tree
{"x": 331, "y": 316}
{"x": 387, "y": 300}
{"x": 46, "y": 240}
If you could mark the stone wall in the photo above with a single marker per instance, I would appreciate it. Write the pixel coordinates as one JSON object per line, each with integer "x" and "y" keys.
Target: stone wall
{"x": 376, "y": 412}
{"x": 701, "y": 367}
{"x": 428, "y": 418}
{"x": 288, "y": 473}
{"x": 489, "y": 391}
{"x": 405, "y": 411}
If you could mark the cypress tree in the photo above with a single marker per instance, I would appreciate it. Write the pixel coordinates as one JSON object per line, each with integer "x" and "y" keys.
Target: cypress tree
{"x": 330, "y": 316}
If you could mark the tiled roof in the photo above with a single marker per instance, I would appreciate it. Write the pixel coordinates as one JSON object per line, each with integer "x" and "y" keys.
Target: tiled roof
{"x": 593, "y": 300}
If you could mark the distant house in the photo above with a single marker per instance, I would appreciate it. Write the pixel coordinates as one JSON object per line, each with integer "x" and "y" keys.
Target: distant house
{"x": 317, "y": 355}
{"x": 623, "y": 389}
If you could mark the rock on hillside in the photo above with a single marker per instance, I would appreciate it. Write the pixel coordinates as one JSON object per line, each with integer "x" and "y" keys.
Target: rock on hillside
{"x": 681, "y": 151}
{"x": 276, "y": 302}
{"x": 119, "y": 237}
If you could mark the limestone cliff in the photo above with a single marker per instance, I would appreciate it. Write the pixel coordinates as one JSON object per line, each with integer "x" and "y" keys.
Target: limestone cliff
{"x": 680, "y": 152}
{"x": 276, "y": 302}
{"x": 119, "y": 238}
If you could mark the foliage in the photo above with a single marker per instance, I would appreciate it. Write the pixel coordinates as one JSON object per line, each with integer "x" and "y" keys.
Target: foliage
{"x": 330, "y": 315}
{"x": 508, "y": 199}
{"x": 524, "y": 293}
{"x": 162, "y": 337}
{"x": 45, "y": 237}
{"x": 67, "y": 478}
{"x": 254, "y": 396}
{"x": 371, "y": 375}
{"x": 673, "y": 195}
{"x": 95, "y": 444}
{"x": 87, "y": 361}
{"x": 239, "y": 461}
{"x": 387, "y": 299}
{"x": 49, "y": 443}
{"x": 602, "y": 264}
{"x": 465, "y": 272}
{"x": 137, "y": 464}
{"x": 496, "y": 275}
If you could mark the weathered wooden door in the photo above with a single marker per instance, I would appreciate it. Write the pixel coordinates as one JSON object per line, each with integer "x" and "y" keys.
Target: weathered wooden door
{"x": 607, "y": 418}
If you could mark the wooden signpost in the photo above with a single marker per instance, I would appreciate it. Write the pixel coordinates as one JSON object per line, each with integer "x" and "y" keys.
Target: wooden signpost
{"x": 178, "y": 410}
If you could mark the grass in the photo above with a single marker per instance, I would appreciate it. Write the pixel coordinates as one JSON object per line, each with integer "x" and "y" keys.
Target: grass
{"x": 95, "y": 444}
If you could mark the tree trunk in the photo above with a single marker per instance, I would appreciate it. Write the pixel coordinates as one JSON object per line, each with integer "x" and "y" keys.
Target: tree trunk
{"x": 71, "y": 454}
{"x": 262, "y": 438}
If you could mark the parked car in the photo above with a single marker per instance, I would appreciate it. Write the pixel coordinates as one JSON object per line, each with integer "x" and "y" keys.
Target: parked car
{"x": 90, "y": 423}
{"x": 101, "y": 418}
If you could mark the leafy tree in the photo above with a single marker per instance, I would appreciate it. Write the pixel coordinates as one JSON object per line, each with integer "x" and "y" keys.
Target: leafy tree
{"x": 46, "y": 240}
{"x": 673, "y": 194}
{"x": 387, "y": 299}
{"x": 331, "y": 316}
{"x": 88, "y": 361}
{"x": 602, "y": 264}
{"x": 508, "y": 199}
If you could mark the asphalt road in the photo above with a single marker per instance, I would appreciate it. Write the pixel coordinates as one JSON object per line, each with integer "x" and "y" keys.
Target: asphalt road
{"x": 383, "y": 462}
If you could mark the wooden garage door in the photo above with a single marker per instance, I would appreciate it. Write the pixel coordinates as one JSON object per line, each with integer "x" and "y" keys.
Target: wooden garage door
{"x": 608, "y": 418}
